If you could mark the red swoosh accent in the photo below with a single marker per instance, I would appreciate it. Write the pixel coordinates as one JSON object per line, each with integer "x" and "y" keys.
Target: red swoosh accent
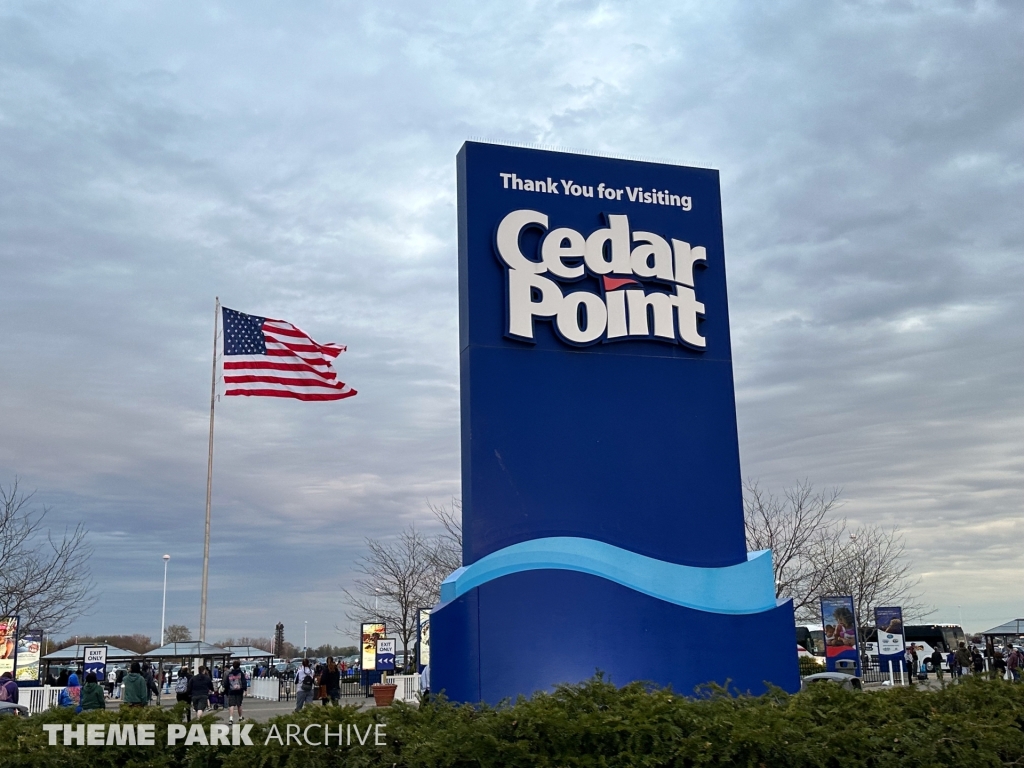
{"x": 611, "y": 283}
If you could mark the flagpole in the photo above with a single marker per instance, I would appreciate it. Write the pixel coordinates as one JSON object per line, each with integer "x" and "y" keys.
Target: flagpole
{"x": 209, "y": 477}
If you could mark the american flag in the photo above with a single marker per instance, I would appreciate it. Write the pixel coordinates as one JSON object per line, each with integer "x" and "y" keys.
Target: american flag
{"x": 272, "y": 358}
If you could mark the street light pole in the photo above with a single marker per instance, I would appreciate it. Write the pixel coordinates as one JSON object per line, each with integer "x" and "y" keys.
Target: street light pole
{"x": 163, "y": 611}
{"x": 305, "y": 643}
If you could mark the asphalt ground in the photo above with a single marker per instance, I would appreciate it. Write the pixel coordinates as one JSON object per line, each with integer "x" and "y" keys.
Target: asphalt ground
{"x": 260, "y": 710}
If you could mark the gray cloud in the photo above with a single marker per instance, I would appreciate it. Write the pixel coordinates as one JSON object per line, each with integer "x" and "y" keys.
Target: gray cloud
{"x": 299, "y": 162}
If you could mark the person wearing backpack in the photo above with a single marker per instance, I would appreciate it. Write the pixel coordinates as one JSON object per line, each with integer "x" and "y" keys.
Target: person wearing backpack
{"x": 305, "y": 677}
{"x": 8, "y": 688}
{"x": 234, "y": 690}
{"x": 181, "y": 691}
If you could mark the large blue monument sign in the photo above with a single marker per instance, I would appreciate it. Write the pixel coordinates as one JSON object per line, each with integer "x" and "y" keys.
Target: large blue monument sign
{"x": 602, "y": 504}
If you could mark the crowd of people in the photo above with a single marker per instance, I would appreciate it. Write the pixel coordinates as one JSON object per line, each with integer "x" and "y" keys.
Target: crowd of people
{"x": 322, "y": 681}
{"x": 965, "y": 660}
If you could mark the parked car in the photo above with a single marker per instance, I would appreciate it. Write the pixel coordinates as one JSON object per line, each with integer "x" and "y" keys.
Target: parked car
{"x": 850, "y": 682}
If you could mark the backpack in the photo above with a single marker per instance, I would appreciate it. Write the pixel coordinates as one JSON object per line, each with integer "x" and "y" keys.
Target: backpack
{"x": 234, "y": 681}
{"x": 181, "y": 686}
{"x": 5, "y": 693}
{"x": 307, "y": 683}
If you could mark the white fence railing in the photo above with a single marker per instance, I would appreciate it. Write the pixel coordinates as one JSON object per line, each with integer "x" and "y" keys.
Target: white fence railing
{"x": 408, "y": 687}
{"x": 39, "y": 699}
{"x": 268, "y": 688}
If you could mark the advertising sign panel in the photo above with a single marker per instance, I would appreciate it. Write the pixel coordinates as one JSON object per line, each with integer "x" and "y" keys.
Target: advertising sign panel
{"x": 891, "y": 644}
{"x": 599, "y": 442}
{"x": 423, "y": 639}
{"x": 840, "y": 623}
{"x": 96, "y": 661}
{"x": 385, "y": 653}
{"x": 30, "y": 644}
{"x": 8, "y": 644}
{"x": 370, "y": 633}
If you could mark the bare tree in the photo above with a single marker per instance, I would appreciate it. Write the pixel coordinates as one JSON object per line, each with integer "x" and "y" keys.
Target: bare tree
{"x": 44, "y": 577}
{"x": 873, "y": 569}
{"x": 397, "y": 580}
{"x": 814, "y": 557}
{"x": 177, "y": 633}
{"x": 804, "y": 537}
{"x": 445, "y": 552}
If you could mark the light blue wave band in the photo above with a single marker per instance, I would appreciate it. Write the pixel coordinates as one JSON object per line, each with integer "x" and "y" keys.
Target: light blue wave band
{"x": 743, "y": 588}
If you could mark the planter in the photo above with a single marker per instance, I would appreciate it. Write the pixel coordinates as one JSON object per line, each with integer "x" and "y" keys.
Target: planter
{"x": 383, "y": 694}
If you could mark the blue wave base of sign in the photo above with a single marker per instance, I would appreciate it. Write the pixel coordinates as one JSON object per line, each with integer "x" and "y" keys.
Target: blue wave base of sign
{"x": 531, "y": 630}
{"x": 747, "y": 587}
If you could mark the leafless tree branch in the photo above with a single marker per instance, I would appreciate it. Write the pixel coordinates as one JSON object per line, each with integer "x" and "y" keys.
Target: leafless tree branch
{"x": 44, "y": 576}
{"x": 815, "y": 555}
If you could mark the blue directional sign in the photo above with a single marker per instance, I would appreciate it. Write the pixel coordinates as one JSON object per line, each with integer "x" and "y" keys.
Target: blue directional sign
{"x": 386, "y": 648}
{"x": 602, "y": 499}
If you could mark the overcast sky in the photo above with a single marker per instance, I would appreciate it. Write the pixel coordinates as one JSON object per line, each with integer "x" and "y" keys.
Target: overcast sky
{"x": 298, "y": 160}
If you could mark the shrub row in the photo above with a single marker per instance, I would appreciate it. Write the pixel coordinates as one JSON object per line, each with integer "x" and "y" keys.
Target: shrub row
{"x": 974, "y": 723}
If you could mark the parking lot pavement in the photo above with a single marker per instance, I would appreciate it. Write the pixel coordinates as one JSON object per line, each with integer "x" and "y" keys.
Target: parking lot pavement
{"x": 261, "y": 710}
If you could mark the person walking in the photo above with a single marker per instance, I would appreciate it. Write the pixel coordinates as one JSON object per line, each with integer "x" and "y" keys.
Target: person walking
{"x": 235, "y": 686}
{"x": 937, "y": 663}
{"x": 200, "y": 688}
{"x": 181, "y": 691}
{"x": 305, "y": 678}
{"x": 1013, "y": 664}
{"x": 92, "y": 694}
{"x": 963, "y": 659}
{"x": 8, "y": 688}
{"x": 136, "y": 693}
{"x": 330, "y": 680}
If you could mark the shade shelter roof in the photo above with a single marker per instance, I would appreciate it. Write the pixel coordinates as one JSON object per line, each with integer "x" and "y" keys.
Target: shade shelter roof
{"x": 248, "y": 652}
{"x": 77, "y": 652}
{"x": 187, "y": 650}
{"x": 1013, "y": 627}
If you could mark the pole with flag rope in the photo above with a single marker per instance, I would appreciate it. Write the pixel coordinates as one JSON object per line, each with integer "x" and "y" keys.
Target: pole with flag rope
{"x": 209, "y": 477}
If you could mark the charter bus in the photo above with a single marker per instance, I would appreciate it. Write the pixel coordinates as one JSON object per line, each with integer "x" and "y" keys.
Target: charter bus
{"x": 927, "y": 637}
{"x": 811, "y": 637}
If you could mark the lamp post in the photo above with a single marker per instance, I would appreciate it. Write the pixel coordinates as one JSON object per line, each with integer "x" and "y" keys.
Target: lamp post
{"x": 305, "y": 644}
{"x": 163, "y": 611}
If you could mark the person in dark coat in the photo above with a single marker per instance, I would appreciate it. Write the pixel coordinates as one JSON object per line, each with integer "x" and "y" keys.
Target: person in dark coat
{"x": 200, "y": 688}
{"x": 330, "y": 679}
{"x": 182, "y": 686}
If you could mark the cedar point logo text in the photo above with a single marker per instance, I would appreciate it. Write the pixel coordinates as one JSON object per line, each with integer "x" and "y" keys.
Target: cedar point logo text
{"x": 623, "y": 263}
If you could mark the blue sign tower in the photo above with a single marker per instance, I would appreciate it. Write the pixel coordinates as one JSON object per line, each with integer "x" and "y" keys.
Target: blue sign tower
{"x": 602, "y": 502}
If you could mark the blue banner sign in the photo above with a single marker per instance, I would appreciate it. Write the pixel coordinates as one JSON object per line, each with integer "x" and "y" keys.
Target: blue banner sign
{"x": 599, "y": 440}
{"x": 841, "y": 643}
{"x": 891, "y": 645}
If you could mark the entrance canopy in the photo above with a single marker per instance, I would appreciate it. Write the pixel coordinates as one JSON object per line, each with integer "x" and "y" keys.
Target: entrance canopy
{"x": 77, "y": 653}
{"x": 191, "y": 649}
{"x": 248, "y": 652}
{"x": 1011, "y": 628}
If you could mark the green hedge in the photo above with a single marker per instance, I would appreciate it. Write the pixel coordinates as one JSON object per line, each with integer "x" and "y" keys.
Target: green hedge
{"x": 975, "y": 723}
